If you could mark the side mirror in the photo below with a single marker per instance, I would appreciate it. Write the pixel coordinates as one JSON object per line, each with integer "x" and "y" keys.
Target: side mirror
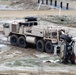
{"x": 6, "y": 25}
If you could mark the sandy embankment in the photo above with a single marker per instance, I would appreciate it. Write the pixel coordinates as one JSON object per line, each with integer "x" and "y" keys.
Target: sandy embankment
{"x": 21, "y": 14}
{"x": 32, "y": 13}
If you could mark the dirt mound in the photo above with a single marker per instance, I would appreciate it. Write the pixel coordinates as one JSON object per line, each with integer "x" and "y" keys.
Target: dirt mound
{"x": 23, "y": 1}
{"x": 28, "y": 5}
{"x": 24, "y": 4}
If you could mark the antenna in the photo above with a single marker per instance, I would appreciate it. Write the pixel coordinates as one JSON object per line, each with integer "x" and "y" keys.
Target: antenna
{"x": 39, "y": 5}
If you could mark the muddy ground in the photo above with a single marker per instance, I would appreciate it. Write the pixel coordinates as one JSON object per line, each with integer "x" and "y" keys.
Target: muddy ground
{"x": 28, "y": 61}
{"x": 19, "y": 61}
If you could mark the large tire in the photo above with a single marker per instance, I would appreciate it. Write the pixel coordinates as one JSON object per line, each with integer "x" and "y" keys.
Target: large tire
{"x": 13, "y": 40}
{"x": 22, "y": 42}
{"x": 65, "y": 54}
{"x": 73, "y": 58}
{"x": 49, "y": 47}
{"x": 40, "y": 45}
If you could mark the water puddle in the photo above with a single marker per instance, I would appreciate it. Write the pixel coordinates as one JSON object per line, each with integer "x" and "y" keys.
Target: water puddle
{"x": 4, "y": 48}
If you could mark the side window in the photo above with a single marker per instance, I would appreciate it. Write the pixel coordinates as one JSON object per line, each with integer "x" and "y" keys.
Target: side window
{"x": 6, "y": 25}
{"x": 54, "y": 34}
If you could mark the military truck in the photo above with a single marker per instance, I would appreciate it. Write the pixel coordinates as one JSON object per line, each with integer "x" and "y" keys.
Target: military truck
{"x": 44, "y": 37}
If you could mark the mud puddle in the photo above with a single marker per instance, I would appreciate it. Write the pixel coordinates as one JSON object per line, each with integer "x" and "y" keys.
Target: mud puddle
{"x": 4, "y": 48}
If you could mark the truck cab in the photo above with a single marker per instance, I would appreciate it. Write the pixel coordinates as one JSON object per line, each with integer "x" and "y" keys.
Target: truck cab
{"x": 15, "y": 25}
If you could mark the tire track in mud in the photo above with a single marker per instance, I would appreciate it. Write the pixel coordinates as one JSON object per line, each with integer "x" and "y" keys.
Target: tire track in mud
{"x": 16, "y": 53}
{"x": 6, "y": 55}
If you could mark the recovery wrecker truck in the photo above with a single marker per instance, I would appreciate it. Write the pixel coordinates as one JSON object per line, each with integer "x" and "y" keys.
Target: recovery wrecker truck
{"x": 44, "y": 37}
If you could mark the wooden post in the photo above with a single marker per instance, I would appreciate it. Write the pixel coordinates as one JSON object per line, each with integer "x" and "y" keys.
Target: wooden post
{"x": 42, "y": 1}
{"x": 38, "y": 1}
{"x": 46, "y": 1}
{"x": 55, "y": 3}
{"x": 67, "y": 6}
{"x": 51, "y": 2}
{"x": 61, "y": 4}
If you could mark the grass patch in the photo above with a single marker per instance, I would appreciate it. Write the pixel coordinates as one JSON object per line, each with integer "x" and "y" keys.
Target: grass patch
{"x": 60, "y": 19}
{"x": 17, "y": 63}
{"x": 22, "y": 62}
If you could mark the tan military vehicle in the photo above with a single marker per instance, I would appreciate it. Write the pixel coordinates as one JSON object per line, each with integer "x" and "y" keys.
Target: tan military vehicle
{"x": 45, "y": 37}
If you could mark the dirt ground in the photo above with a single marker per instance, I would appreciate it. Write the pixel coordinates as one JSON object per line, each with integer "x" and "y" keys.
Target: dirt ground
{"x": 36, "y": 64}
{"x": 34, "y": 13}
{"x": 28, "y": 61}
{"x": 5, "y": 2}
{"x": 20, "y": 61}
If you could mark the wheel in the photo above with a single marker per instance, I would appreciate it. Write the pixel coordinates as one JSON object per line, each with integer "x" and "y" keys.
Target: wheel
{"x": 40, "y": 45}
{"x": 13, "y": 40}
{"x": 22, "y": 42}
{"x": 73, "y": 59}
{"x": 49, "y": 47}
{"x": 65, "y": 53}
